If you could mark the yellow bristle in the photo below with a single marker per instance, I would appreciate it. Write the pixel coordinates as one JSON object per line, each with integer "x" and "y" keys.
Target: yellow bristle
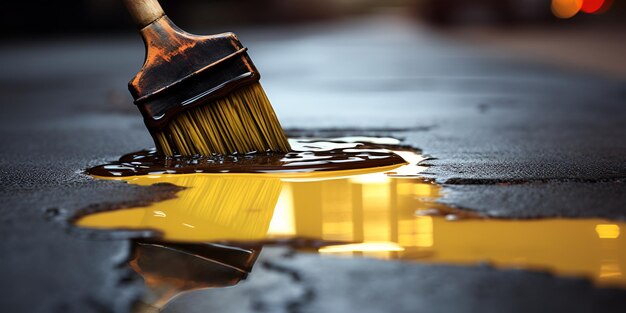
{"x": 242, "y": 122}
{"x": 211, "y": 207}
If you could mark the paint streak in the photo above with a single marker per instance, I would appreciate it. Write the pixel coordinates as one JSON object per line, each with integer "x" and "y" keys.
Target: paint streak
{"x": 385, "y": 213}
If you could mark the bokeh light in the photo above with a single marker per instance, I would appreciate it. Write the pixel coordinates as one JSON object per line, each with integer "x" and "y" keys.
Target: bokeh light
{"x": 592, "y": 6}
{"x": 566, "y": 8}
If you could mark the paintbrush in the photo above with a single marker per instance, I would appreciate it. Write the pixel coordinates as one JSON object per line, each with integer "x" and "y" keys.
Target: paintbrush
{"x": 200, "y": 95}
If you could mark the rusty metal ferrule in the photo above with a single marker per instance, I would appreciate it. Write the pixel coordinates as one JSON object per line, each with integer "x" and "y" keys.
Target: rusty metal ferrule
{"x": 182, "y": 71}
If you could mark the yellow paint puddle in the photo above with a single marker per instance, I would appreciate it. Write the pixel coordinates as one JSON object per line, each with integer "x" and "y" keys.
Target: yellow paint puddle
{"x": 379, "y": 213}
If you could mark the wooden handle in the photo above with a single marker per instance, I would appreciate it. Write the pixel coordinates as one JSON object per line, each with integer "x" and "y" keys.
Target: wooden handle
{"x": 144, "y": 12}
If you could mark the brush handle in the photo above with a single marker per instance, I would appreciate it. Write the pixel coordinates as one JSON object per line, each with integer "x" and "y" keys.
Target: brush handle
{"x": 144, "y": 12}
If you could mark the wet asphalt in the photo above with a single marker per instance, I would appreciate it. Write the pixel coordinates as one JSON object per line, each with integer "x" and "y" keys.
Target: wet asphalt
{"x": 508, "y": 138}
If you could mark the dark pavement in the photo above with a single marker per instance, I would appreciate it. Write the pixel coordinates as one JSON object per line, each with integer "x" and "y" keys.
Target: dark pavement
{"x": 305, "y": 283}
{"x": 508, "y": 137}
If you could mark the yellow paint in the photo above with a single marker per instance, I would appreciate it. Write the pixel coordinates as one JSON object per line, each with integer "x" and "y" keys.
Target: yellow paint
{"x": 607, "y": 231}
{"x": 363, "y": 247}
{"x": 376, "y": 215}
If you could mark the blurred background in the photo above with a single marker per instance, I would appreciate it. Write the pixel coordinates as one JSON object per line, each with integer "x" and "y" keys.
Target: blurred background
{"x": 87, "y": 16}
{"x": 586, "y": 34}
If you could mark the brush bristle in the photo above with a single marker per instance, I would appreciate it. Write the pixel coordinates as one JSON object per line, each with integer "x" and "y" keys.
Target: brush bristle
{"x": 242, "y": 122}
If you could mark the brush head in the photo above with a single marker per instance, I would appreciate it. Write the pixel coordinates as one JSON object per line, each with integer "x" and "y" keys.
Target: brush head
{"x": 182, "y": 74}
{"x": 243, "y": 121}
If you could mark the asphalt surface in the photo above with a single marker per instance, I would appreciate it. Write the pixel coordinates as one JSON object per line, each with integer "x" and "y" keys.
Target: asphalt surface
{"x": 509, "y": 138}
{"x": 310, "y": 284}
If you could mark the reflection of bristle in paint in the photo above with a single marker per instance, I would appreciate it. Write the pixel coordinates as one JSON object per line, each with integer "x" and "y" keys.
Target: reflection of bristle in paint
{"x": 217, "y": 207}
{"x": 242, "y": 204}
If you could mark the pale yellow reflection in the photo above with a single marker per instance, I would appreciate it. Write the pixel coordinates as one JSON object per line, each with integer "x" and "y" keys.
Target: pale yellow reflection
{"x": 363, "y": 247}
{"x": 610, "y": 271}
{"x": 607, "y": 231}
{"x": 376, "y": 215}
{"x": 282, "y": 223}
{"x": 423, "y": 232}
